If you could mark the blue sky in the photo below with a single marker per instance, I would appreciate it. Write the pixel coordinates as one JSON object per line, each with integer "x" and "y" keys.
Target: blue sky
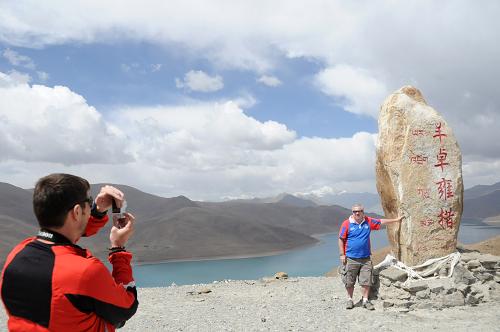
{"x": 237, "y": 99}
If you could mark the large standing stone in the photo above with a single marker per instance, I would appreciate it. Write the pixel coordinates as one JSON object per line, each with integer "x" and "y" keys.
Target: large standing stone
{"x": 419, "y": 175}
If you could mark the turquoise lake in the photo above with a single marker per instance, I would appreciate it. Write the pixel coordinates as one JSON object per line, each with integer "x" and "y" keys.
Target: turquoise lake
{"x": 311, "y": 261}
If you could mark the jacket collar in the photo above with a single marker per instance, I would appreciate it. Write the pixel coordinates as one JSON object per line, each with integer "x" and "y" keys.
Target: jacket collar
{"x": 352, "y": 221}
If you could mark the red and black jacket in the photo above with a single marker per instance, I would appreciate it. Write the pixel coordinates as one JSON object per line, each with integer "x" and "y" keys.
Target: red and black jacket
{"x": 62, "y": 287}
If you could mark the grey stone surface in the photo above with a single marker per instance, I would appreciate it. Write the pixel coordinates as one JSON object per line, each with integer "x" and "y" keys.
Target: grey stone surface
{"x": 440, "y": 285}
{"x": 404, "y": 296}
{"x": 462, "y": 275}
{"x": 489, "y": 260}
{"x": 401, "y": 303}
{"x": 468, "y": 256}
{"x": 386, "y": 282}
{"x": 393, "y": 274}
{"x": 483, "y": 276}
{"x": 387, "y": 304}
{"x": 473, "y": 264}
{"x": 423, "y": 294}
{"x": 463, "y": 288}
{"x": 449, "y": 290}
{"x": 453, "y": 300}
{"x": 425, "y": 305}
{"x": 415, "y": 286}
{"x": 472, "y": 300}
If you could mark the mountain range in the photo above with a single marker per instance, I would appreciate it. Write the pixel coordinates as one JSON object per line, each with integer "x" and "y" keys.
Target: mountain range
{"x": 179, "y": 228}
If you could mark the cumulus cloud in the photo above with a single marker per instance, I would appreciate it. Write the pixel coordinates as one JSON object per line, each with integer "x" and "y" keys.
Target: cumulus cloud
{"x": 197, "y": 80}
{"x": 245, "y": 100}
{"x": 205, "y": 150}
{"x": 357, "y": 91}
{"x": 14, "y": 77}
{"x": 271, "y": 81}
{"x": 42, "y": 124}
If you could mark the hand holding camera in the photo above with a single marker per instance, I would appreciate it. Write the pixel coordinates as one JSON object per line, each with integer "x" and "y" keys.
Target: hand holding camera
{"x": 107, "y": 196}
{"x": 118, "y": 214}
{"x": 123, "y": 222}
{"x": 120, "y": 235}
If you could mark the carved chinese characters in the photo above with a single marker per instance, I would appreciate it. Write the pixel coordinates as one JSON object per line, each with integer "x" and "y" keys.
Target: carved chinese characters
{"x": 419, "y": 175}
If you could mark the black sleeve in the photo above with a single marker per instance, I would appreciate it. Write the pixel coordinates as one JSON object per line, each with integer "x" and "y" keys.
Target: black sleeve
{"x": 109, "y": 312}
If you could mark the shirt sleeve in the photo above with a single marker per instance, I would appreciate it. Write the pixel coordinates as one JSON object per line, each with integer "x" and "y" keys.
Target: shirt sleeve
{"x": 374, "y": 223}
{"x": 112, "y": 297}
{"x": 94, "y": 225}
{"x": 344, "y": 228}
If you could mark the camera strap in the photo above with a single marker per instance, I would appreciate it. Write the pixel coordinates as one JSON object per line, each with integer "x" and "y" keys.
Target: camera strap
{"x": 48, "y": 235}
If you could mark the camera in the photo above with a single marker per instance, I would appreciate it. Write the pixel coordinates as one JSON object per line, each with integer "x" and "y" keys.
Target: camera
{"x": 118, "y": 214}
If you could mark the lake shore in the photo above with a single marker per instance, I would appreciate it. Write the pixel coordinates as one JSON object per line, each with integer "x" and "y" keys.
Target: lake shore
{"x": 202, "y": 259}
{"x": 377, "y": 255}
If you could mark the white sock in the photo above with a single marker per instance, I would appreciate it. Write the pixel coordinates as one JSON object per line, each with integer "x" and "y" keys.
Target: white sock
{"x": 365, "y": 300}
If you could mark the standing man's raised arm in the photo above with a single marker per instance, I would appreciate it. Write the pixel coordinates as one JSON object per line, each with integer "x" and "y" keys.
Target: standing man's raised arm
{"x": 390, "y": 221}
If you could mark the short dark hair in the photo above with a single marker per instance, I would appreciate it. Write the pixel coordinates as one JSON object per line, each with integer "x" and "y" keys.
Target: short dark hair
{"x": 55, "y": 195}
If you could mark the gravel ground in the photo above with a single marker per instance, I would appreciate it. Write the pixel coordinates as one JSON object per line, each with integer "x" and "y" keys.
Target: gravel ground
{"x": 297, "y": 304}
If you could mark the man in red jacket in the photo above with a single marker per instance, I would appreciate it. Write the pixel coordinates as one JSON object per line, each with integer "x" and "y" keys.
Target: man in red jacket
{"x": 51, "y": 284}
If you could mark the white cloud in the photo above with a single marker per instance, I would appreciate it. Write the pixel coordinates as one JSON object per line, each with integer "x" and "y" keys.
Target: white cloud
{"x": 42, "y": 124}
{"x": 317, "y": 192}
{"x": 13, "y": 78}
{"x": 197, "y": 80}
{"x": 203, "y": 150}
{"x": 17, "y": 59}
{"x": 357, "y": 90}
{"x": 246, "y": 101}
{"x": 271, "y": 81}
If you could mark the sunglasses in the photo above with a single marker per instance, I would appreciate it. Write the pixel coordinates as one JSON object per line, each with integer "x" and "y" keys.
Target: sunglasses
{"x": 356, "y": 211}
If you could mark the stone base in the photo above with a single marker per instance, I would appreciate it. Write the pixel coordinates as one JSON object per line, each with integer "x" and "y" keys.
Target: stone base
{"x": 474, "y": 280}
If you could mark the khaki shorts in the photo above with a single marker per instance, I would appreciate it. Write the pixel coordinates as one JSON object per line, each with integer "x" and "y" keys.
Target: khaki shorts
{"x": 357, "y": 268}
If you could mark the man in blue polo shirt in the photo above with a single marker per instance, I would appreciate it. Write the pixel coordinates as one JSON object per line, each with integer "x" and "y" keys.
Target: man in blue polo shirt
{"x": 355, "y": 252}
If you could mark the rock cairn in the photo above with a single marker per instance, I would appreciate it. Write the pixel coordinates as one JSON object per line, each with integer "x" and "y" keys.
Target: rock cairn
{"x": 419, "y": 175}
{"x": 475, "y": 279}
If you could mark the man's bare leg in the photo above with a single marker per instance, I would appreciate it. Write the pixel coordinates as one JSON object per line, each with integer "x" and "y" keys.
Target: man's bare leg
{"x": 350, "y": 303}
{"x": 366, "y": 292}
{"x": 350, "y": 291}
{"x": 366, "y": 303}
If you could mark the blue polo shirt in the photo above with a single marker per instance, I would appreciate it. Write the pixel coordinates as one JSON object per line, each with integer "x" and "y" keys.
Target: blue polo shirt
{"x": 357, "y": 236}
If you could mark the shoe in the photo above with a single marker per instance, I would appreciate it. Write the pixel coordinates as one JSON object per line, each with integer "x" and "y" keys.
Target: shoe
{"x": 349, "y": 304}
{"x": 368, "y": 305}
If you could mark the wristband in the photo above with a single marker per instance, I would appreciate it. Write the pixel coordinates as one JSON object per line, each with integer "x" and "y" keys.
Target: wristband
{"x": 113, "y": 250}
{"x": 96, "y": 213}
